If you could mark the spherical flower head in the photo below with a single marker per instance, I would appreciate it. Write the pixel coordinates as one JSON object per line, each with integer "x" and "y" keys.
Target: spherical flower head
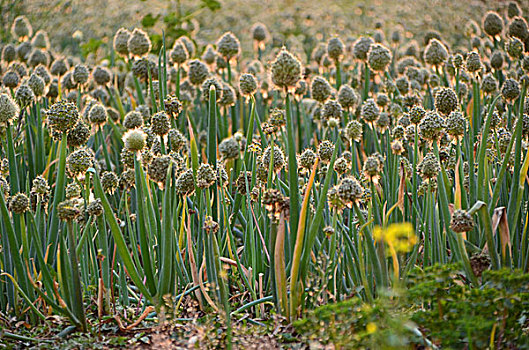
{"x": 496, "y": 60}
{"x": 78, "y": 136}
{"x": 80, "y": 74}
{"x": 307, "y": 159}
{"x": 361, "y": 48}
{"x": 109, "y": 182}
{"x": 36, "y": 57}
{"x": 68, "y": 210}
{"x": 514, "y": 48}
{"x": 243, "y": 181}
{"x": 158, "y": 168}
{"x": 139, "y": 43}
{"x": 43, "y": 73}
{"x": 285, "y": 70}
{"x": 210, "y": 55}
{"x": 378, "y": 57}
{"x": 121, "y": 39}
{"x": 59, "y": 67}
{"x": 429, "y": 167}
{"x": 24, "y": 95}
{"x": 278, "y": 162}
{"x": 72, "y": 190}
{"x": 160, "y": 123}
{"x": 335, "y": 49}
{"x": 198, "y": 72}
{"x": 101, "y": 75}
{"x": 446, "y": 100}
{"x": 95, "y": 208}
{"x": 435, "y": 53}
{"x": 228, "y": 46}
{"x": 347, "y": 97}
{"x": 206, "y": 86}
{"x": 19, "y": 203}
{"x": 21, "y": 28}
{"x": 320, "y": 89}
{"x": 513, "y": 9}
{"x": 79, "y": 161}
{"x": 492, "y": 23}
{"x": 206, "y": 176}
{"x": 143, "y": 66}
{"x": 98, "y": 115}
{"x": 332, "y": 109}
{"x": 40, "y": 185}
{"x": 402, "y": 84}
{"x": 325, "y": 151}
{"x": 518, "y": 28}
{"x": 260, "y": 32}
{"x": 456, "y": 124}
{"x": 133, "y": 120}
{"x": 228, "y": 96}
{"x": 173, "y": 106}
{"x": 489, "y": 84}
{"x": 23, "y": 49}
{"x": 461, "y": 221}
{"x": 9, "y": 53}
{"x": 431, "y": 126}
{"x": 177, "y": 140}
{"x": 185, "y": 184}
{"x": 8, "y": 109}
{"x": 229, "y": 148}
{"x": 342, "y": 166}
{"x": 349, "y": 191}
{"x": 134, "y": 140}
{"x": 510, "y": 90}
{"x": 370, "y": 111}
{"x": 247, "y": 84}
{"x": 179, "y": 53}
{"x": 373, "y": 166}
{"x": 353, "y": 131}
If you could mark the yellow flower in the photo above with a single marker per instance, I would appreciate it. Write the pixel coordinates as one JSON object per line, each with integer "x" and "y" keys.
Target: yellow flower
{"x": 400, "y": 236}
{"x": 371, "y": 328}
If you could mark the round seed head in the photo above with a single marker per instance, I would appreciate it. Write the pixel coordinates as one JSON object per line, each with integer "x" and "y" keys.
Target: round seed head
{"x": 370, "y": 111}
{"x": 320, "y": 89}
{"x": 207, "y": 85}
{"x": 307, "y": 159}
{"x": 23, "y": 50}
{"x": 361, "y": 48}
{"x": 134, "y": 140}
{"x": 40, "y": 40}
{"x": 101, "y": 75}
{"x": 185, "y": 184}
{"x": 133, "y": 120}
{"x": 97, "y": 114}
{"x": 243, "y": 181}
{"x": 510, "y": 90}
{"x": 446, "y": 100}
{"x": 325, "y": 151}
{"x": 80, "y": 74}
{"x": 19, "y": 203}
{"x": 335, "y": 49}
{"x": 456, "y": 124}
{"x": 228, "y": 96}
{"x": 36, "y": 57}
{"x": 21, "y": 28}
{"x": 8, "y": 109}
{"x": 95, "y": 208}
{"x": 59, "y": 67}
{"x": 109, "y": 182}
{"x": 40, "y": 185}
{"x": 247, "y": 84}
{"x": 260, "y": 32}
{"x": 489, "y": 84}
{"x": 179, "y": 52}
{"x": 210, "y": 55}
{"x": 228, "y": 46}
{"x": 72, "y": 190}
{"x": 198, "y": 72}
{"x": 43, "y": 73}
{"x": 514, "y": 48}
{"x": 158, "y": 168}
{"x": 518, "y": 28}
{"x": 279, "y": 158}
{"x": 160, "y": 123}
{"x": 68, "y": 210}
{"x": 78, "y": 136}
{"x": 347, "y": 97}
{"x": 285, "y": 69}
{"x": 206, "y": 176}
{"x": 342, "y": 166}
{"x": 9, "y": 53}
{"x": 353, "y": 131}
{"x": 461, "y": 221}
{"x": 177, "y": 140}
{"x": 373, "y": 166}
{"x": 190, "y": 46}
{"x": 431, "y": 126}
{"x": 62, "y": 116}
{"x": 378, "y": 57}
{"x": 139, "y": 43}
{"x": 435, "y": 53}
{"x": 79, "y": 161}
{"x": 429, "y": 167}
{"x": 332, "y": 109}
{"x": 349, "y": 191}
{"x": 24, "y": 95}
{"x": 229, "y": 148}
{"x": 173, "y": 106}
{"x": 121, "y": 39}
{"x": 492, "y": 23}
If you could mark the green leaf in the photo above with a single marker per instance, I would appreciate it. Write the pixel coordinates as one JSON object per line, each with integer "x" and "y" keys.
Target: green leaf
{"x": 149, "y": 20}
{"x": 213, "y": 5}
